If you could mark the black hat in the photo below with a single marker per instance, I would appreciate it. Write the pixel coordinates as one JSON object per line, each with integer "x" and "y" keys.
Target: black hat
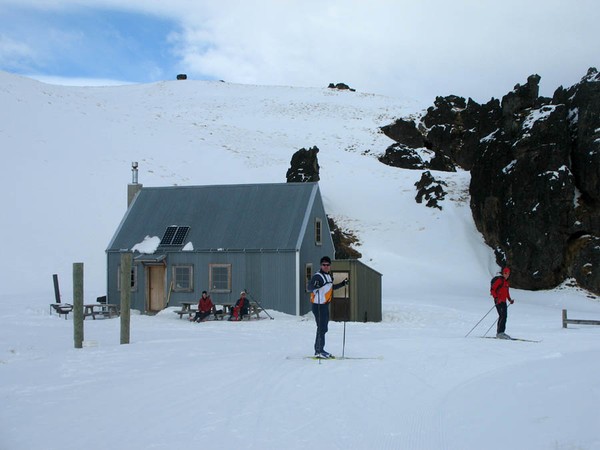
{"x": 326, "y": 259}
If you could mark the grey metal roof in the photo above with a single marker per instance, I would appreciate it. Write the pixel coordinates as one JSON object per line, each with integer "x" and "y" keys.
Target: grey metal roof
{"x": 230, "y": 217}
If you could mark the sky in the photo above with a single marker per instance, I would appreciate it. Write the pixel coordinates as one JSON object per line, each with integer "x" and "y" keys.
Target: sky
{"x": 417, "y": 381}
{"x": 403, "y": 48}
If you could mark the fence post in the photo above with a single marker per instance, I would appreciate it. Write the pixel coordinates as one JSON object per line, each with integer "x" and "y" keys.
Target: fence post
{"x": 564, "y": 318}
{"x": 125, "y": 296}
{"x": 78, "y": 304}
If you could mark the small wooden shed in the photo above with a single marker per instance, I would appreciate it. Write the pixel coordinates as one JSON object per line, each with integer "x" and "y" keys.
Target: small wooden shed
{"x": 360, "y": 301}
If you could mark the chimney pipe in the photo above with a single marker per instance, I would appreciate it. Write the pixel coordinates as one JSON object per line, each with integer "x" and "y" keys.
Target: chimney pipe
{"x": 134, "y": 172}
{"x": 134, "y": 187}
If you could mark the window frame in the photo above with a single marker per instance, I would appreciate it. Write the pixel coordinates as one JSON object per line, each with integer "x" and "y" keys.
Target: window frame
{"x": 134, "y": 278}
{"x": 190, "y": 271}
{"x": 318, "y": 231}
{"x": 211, "y": 281}
{"x": 308, "y": 273}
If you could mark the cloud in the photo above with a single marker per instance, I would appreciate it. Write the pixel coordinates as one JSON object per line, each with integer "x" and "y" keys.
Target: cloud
{"x": 14, "y": 54}
{"x": 398, "y": 47}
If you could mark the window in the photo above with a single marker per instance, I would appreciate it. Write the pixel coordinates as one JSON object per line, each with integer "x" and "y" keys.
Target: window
{"x": 133, "y": 278}
{"x": 219, "y": 277}
{"x": 307, "y": 275}
{"x": 183, "y": 278}
{"x": 318, "y": 231}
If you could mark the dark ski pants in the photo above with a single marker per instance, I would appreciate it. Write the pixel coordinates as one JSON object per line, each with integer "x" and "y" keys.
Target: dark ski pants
{"x": 321, "y": 313}
{"x": 502, "y": 309}
{"x": 201, "y": 316}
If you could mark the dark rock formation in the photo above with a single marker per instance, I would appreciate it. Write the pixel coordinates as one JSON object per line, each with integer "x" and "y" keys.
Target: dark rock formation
{"x": 304, "y": 166}
{"x": 341, "y": 87}
{"x": 535, "y": 175}
{"x": 451, "y": 130}
{"x": 534, "y": 190}
{"x": 304, "y": 169}
{"x": 430, "y": 189}
{"x": 343, "y": 242}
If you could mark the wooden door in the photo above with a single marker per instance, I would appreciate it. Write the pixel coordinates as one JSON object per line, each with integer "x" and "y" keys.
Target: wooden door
{"x": 156, "y": 288}
{"x": 340, "y": 304}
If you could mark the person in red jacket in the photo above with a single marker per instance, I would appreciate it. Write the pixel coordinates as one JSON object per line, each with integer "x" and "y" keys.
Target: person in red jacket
{"x": 241, "y": 308}
{"x": 500, "y": 290}
{"x": 205, "y": 307}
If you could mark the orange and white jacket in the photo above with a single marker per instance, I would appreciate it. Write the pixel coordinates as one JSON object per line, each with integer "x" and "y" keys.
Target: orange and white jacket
{"x": 321, "y": 287}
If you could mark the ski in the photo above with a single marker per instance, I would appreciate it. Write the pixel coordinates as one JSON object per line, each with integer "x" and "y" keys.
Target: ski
{"x": 334, "y": 358}
{"x": 510, "y": 339}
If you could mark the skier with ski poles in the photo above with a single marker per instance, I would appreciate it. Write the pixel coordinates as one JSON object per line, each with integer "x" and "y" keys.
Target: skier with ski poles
{"x": 501, "y": 294}
{"x": 321, "y": 288}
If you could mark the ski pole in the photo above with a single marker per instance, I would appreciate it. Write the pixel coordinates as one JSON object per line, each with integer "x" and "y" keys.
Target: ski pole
{"x": 488, "y": 330}
{"x": 257, "y": 302}
{"x": 345, "y": 318}
{"x": 344, "y": 341}
{"x": 493, "y": 306}
{"x": 496, "y": 321}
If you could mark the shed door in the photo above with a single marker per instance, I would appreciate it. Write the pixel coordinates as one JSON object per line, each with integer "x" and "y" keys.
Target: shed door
{"x": 340, "y": 304}
{"x": 156, "y": 288}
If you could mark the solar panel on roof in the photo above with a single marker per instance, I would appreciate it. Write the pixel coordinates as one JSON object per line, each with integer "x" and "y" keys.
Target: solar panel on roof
{"x": 174, "y": 236}
{"x": 180, "y": 235}
{"x": 168, "y": 236}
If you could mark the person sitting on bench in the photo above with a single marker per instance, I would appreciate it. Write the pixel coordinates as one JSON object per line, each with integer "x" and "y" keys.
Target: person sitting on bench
{"x": 241, "y": 308}
{"x": 205, "y": 308}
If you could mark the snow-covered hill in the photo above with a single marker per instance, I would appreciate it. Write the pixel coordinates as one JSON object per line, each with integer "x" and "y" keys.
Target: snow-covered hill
{"x": 67, "y": 153}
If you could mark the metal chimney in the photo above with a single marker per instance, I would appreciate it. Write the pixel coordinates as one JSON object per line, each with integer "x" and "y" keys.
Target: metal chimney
{"x": 134, "y": 187}
{"x": 134, "y": 172}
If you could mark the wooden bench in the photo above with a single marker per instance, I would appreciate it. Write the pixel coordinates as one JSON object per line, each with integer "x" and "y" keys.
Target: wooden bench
{"x": 254, "y": 309}
{"x": 188, "y": 311}
{"x": 100, "y": 309}
{"x": 217, "y": 314}
{"x": 186, "y": 308}
{"x": 566, "y": 321}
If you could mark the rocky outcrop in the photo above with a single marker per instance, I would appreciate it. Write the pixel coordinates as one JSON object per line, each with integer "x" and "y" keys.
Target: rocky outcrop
{"x": 343, "y": 242}
{"x": 304, "y": 166}
{"x": 341, "y": 87}
{"x": 431, "y": 190}
{"x": 535, "y": 175}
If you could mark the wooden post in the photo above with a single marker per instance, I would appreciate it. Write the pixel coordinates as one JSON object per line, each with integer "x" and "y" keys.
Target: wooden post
{"x": 125, "y": 296}
{"x": 78, "y": 304}
{"x": 564, "y": 318}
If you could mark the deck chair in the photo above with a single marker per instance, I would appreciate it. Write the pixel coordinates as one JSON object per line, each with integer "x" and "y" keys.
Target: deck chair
{"x": 60, "y": 308}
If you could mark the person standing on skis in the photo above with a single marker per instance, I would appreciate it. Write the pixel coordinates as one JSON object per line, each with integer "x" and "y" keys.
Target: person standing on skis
{"x": 321, "y": 287}
{"x": 501, "y": 293}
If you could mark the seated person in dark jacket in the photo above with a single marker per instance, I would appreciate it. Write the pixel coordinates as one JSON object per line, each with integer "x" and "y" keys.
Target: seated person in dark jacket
{"x": 241, "y": 308}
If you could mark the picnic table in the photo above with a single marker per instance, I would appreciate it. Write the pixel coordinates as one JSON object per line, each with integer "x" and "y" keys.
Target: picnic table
{"x": 253, "y": 309}
{"x": 100, "y": 309}
{"x": 190, "y": 308}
